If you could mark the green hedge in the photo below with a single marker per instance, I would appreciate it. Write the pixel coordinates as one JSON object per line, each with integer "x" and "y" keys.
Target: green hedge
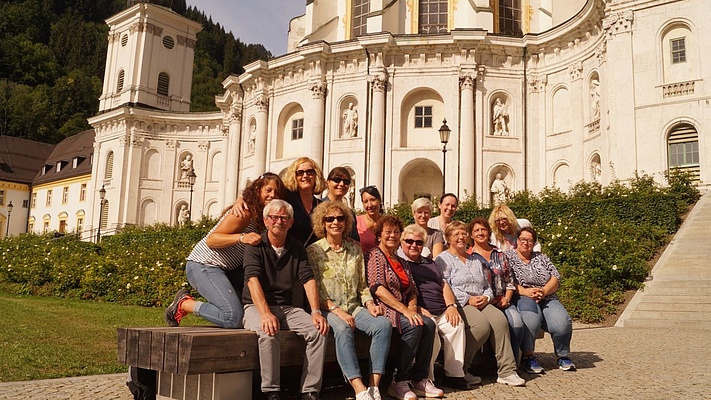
{"x": 600, "y": 238}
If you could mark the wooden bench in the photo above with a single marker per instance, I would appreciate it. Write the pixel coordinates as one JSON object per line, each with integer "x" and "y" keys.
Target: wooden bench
{"x": 203, "y": 363}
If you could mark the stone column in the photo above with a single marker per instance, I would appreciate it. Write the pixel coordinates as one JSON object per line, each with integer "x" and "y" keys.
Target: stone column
{"x": 232, "y": 128}
{"x": 467, "y": 138}
{"x": 316, "y": 133}
{"x": 260, "y": 144}
{"x": 376, "y": 165}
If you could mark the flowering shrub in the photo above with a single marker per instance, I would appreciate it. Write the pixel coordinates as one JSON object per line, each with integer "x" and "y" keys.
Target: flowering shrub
{"x": 600, "y": 238}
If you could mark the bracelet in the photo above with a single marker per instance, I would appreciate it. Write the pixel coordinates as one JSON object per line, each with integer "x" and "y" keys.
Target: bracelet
{"x": 333, "y": 307}
{"x": 450, "y": 305}
{"x": 316, "y": 312}
{"x": 241, "y": 236}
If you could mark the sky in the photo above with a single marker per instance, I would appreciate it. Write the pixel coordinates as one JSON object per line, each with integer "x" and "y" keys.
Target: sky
{"x": 254, "y": 21}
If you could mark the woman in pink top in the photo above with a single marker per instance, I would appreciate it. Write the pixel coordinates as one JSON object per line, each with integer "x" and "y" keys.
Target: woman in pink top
{"x": 372, "y": 204}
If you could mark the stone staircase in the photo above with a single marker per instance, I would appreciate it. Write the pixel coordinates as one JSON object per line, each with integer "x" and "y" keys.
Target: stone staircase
{"x": 678, "y": 294}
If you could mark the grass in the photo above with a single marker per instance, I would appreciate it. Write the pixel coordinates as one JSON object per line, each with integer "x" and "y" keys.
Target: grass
{"x": 45, "y": 337}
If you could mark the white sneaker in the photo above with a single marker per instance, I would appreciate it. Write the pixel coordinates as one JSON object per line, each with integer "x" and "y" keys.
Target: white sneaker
{"x": 364, "y": 395}
{"x": 374, "y": 392}
{"x": 511, "y": 380}
{"x": 401, "y": 391}
{"x": 471, "y": 379}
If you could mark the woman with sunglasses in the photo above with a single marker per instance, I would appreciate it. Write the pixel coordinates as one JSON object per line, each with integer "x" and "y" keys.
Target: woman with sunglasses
{"x": 214, "y": 267}
{"x": 346, "y": 301}
{"x": 467, "y": 277}
{"x": 505, "y": 228}
{"x": 436, "y": 301}
{"x": 537, "y": 283}
{"x": 391, "y": 282}
{"x": 372, "y": 204}
{"x": 339, "y": 183}
{"x": 304, "y": 179}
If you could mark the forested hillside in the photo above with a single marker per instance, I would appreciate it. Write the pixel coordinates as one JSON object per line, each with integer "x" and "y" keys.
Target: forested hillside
{"x": 53, "y": 55}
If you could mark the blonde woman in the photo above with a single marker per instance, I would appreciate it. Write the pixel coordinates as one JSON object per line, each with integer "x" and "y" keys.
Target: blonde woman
{"x": 505, "y": 228}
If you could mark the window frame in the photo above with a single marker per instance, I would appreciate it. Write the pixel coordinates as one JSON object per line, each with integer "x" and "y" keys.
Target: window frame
{"x": 678, "y": 55}
{"x": 423, "y": 118}
{"x": 297, "y": 128}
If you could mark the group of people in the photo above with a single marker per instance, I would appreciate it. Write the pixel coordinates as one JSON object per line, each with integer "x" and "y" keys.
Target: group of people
{"x": 283, "y": 258}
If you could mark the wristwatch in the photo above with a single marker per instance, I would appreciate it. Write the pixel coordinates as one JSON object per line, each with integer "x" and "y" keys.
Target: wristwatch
{"x": 333, "y": 307}
{"x": 316, "y": 312}
{"x": 451, "y": 305}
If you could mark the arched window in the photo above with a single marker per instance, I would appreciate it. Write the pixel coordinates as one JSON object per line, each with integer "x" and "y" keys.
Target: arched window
{"x": 683, "y": 148}
{"x": 432, "y": 16}
{"x": 105, "y": 216}
{"x": 361, "y": 8}
{"x": 109, "y": 173}
{"x": 163, "y": 83}
{"x": 121, "y": 77}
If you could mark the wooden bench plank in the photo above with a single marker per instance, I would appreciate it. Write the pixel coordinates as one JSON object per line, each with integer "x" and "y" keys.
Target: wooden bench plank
{"x": 122, "y": 344}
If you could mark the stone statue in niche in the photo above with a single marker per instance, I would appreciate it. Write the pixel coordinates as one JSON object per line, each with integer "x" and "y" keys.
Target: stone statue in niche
{"x": 186, "y": 166}
{"x": 183, "y": 215}
{"x": 500, "y": 118}
{"x": 595, "y": 170}
{"x": 350, "y": 122}
{"x": 595, "y": 99}
{"x": 351, "y": 194}
{"x": 499, "y": 190}
{"x": 252, "y": 140}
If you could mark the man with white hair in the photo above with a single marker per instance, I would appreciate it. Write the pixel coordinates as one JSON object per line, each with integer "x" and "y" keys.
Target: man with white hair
{"x": 270, "y": 269}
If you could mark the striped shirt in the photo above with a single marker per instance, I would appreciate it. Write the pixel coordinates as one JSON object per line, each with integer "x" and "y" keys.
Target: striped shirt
{"x": 228, "y": 258}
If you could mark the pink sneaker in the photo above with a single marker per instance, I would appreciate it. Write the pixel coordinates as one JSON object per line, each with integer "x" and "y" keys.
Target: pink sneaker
{"x": 401, "y": 391}
{"x": 426, "y": 388}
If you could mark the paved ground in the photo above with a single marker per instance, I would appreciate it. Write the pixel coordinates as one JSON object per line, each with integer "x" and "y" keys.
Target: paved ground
{"x": 613, "y": 363}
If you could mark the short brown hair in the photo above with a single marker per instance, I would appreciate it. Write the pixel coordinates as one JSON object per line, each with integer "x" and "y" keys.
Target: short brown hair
{"x": 387, "y": 220}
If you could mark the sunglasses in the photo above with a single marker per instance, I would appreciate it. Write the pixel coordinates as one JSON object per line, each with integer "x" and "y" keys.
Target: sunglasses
{"x": 282, "y": 218}
{"x": 339, "y": 180}
{"x": 331, "y": 218}
{"x": 368, "y": 189}
{"x": 413, "y": 241}
{"x": 308, "y": 172}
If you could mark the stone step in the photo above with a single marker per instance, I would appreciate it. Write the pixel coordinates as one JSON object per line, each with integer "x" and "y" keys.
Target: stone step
{"x": 679, "y": 283}
{"x": 678, "y": 307}
{"x": 677, "y": 291}
{"x": 691, "y": 316}
{"x": 665, "y": 324}
{"x": 650, "y": 298}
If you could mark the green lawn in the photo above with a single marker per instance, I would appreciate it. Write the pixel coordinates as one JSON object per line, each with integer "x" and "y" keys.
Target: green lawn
{"x": 44, "y": 337}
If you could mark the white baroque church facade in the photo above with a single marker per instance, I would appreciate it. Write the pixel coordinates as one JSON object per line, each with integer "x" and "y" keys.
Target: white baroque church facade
{"x": 542, "y": 92}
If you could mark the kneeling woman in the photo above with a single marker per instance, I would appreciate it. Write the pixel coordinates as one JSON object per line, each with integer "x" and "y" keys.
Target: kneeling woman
{"x": 467, "y": 278}
{"x": 338, "y": 266}
{"x": 391, "y": 282}
{"x": 538, "y": 279}
{"x": 214, "y": 267}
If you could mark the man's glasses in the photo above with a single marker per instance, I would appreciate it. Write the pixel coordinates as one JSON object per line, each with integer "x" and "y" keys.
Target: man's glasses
{"x": 339, "y": 180}
{"x": 331, "y": 218}
{"x": 413, "y": 241}
{"x": 308, "y": 172}
{"x": 282, "y": 218}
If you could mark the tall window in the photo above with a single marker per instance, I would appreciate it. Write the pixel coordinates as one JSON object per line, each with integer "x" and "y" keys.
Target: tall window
{"x": 121, "y": 77}
{"x": 510, "y": 17}
{"x": 678, "y": 50}
{"x": 297, "y": 129}
{"x": 65, "y": 195}
{"x": 361, "y": 8}
{"x": 82, "y": 192}
{"x": 49, "y": 198}
{"x": 423, "y": 117}
{"x": 163, "y": 83}
{"x": 432, "y": 16}
{"x": 683, "y": 149}
{"x": 105, "y": 216}
{"x": 80, "y": 224}
{"x": 34, "y": 200}
{"x": 45, "y": 227}
{"x": 2, "y": 197}
{"x": 109, "y": 173}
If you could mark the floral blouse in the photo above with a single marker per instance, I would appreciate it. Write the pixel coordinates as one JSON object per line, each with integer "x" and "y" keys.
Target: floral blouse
{"x": 467, "y": 279}
{"x": 498, "y": 272}
{"x": 340, "y": 275}
{"x": 534, "y": 274}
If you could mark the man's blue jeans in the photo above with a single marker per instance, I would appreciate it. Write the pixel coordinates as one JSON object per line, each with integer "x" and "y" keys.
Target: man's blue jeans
{"x": 379, "y": 330}
{"x": 224, "y": 307}
{"x": 549, "y": 315}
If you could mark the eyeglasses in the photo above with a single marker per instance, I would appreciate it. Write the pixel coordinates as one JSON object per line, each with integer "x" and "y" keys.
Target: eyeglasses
{"x": 308, "y": 172}
{"x": 500, "y": 220}
{"x": 331, "y": 218}
{"x": 282, "y": 218}
{"x": 527, "y": 241}
{"x": 413, "y": 241}
{"x": 339, "y": 180}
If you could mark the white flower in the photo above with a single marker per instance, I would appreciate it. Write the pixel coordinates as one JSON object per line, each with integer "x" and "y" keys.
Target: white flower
{"x": 135, "y": 278}
{"x": 614, "y": 267}
{"x": 128, "y": 286}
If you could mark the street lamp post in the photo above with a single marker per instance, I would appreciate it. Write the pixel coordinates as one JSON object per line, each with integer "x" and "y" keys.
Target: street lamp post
{"x": 191, "y": 180}
{"x": 102, "y": 194}
{"x": 9, "y": 211}
{"x": 444, "y": 132}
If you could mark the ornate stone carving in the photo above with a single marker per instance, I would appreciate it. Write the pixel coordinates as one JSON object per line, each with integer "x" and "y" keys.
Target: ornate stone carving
{"x": 137, "y": 27}
{"x": 618, "y": 23}
{"x": 601, "y": 51}
{"x": 203, "y": 145}
{"x": 350, "y": 122}
{"x": 379, "y": 83}
{"x": 500, "y": 116}
{"x": 537, "y": 83}
{"x": 169, "y": 143}
{"x": 466, "y": 81}
{"x": 575, "y": 70}
{"x": 124, "y": 140}
{"x": 262, "y": 103}
{"x": 318, "y": 90}
{"x": 184, "y": 41}
{"x": 234, "y": 115}
{"x": 136, "y": 141}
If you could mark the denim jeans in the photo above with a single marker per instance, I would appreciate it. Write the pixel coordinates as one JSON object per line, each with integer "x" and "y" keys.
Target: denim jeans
{"x": 516, "y": 329}
{"x": 379, "y": 330}
{"x": 549, "y": 315}
{"x": 224, "y": 307}
{"x": 416, "y": 343}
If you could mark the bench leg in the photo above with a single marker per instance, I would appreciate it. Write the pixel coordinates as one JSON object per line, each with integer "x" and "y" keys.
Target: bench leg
{"x": 235, "y": 385}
